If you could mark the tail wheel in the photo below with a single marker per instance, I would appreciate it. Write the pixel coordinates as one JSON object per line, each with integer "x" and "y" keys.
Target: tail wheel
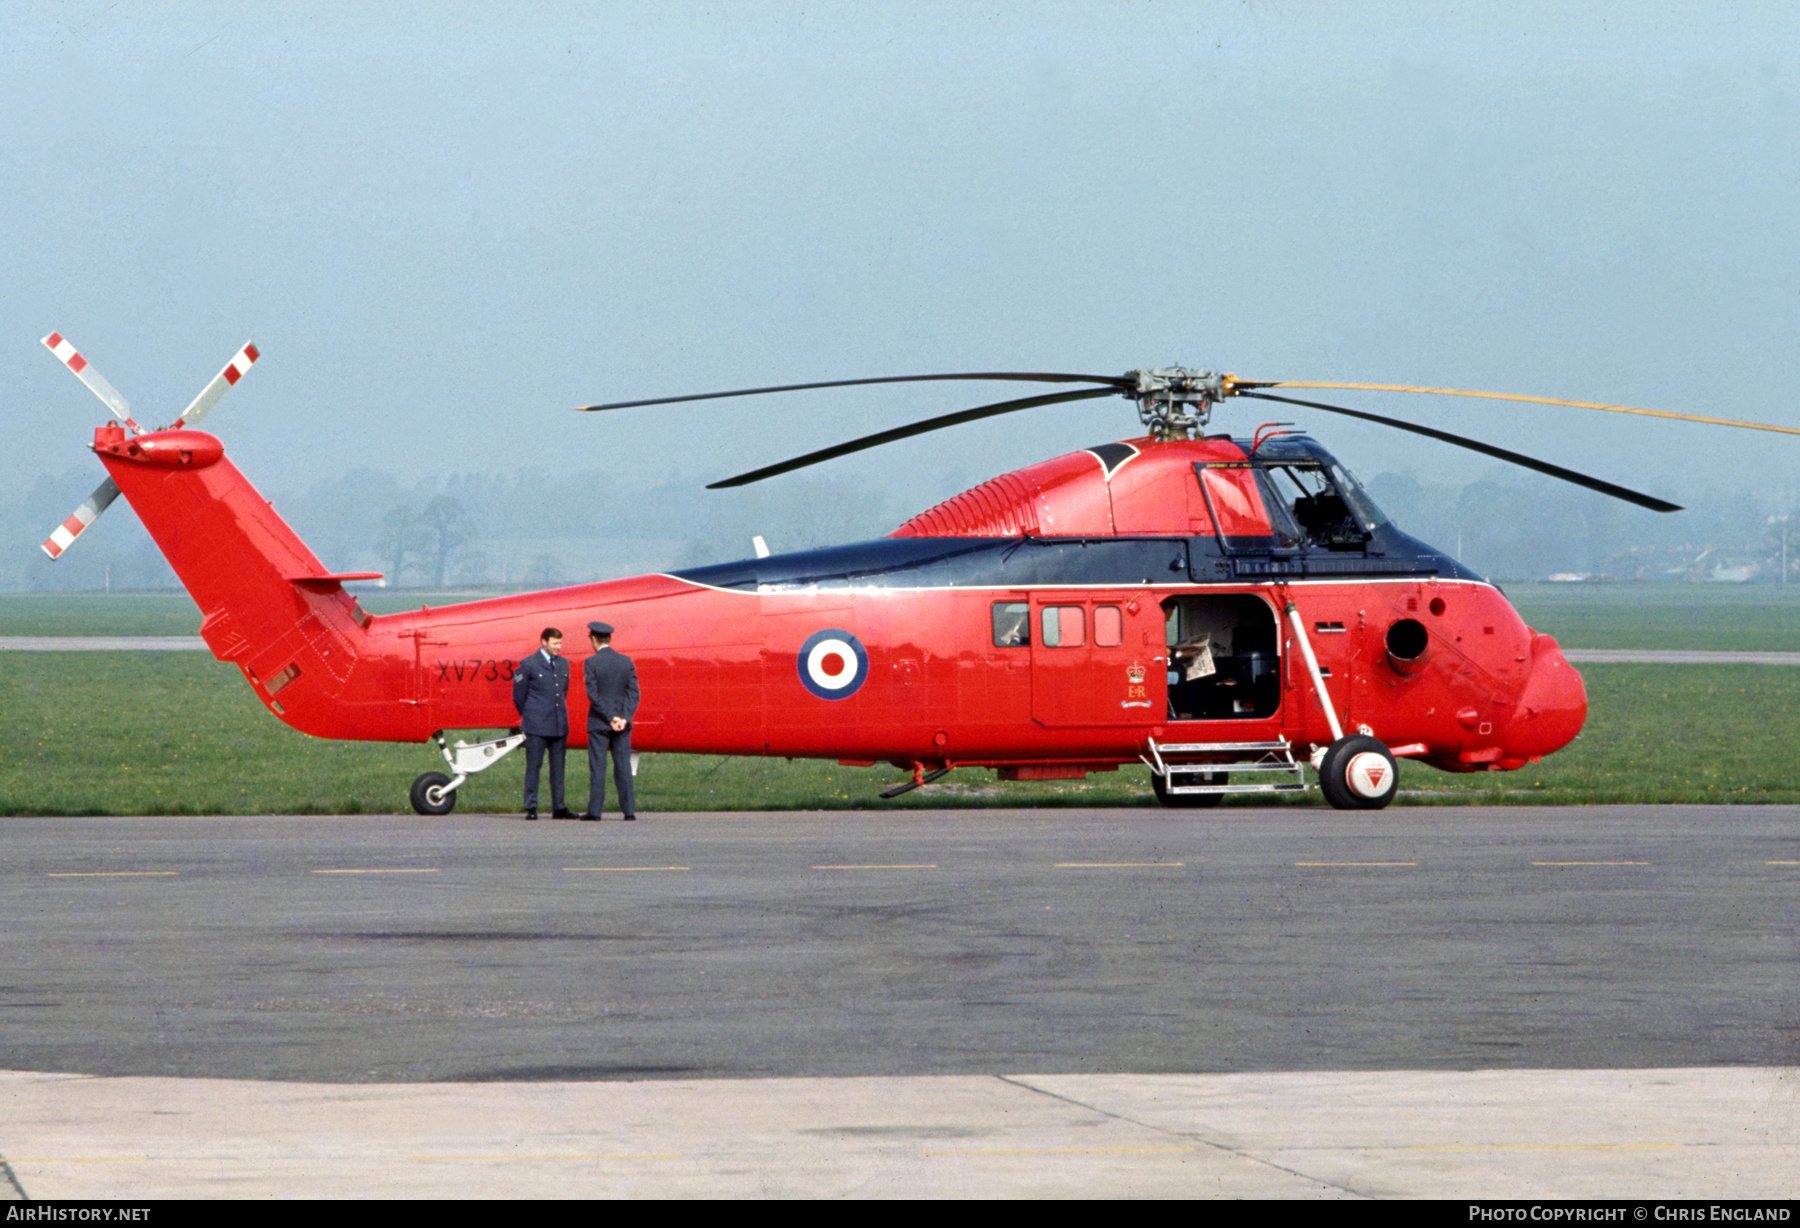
{"x": 1358, "y": 773}
{"x": 1188, "y": 800}
{"x": 429, "y": 796}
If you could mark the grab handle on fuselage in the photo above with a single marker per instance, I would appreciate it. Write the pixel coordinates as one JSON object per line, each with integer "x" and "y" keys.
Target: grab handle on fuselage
{"x": 1312, "y": 667}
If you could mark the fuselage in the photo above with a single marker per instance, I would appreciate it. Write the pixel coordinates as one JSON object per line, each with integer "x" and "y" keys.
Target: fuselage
{"x": 1048, "y": 622}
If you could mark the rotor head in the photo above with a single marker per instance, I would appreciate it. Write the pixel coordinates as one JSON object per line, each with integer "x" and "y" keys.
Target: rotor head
{"x": 1176, "y": 402}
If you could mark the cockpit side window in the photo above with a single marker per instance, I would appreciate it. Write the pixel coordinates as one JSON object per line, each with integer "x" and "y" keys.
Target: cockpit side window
{"x": 1288, "y": 534}
{"x": 1236, "y": 503}
{"x": 1361, "y": 506}
{"x": 1325, "y": 507}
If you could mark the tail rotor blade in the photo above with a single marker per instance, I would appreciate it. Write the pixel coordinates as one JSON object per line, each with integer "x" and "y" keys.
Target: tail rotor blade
{"x": 84, "y": 371}
{"x": 222, "y": 383}
{"x": 65, "y": 533}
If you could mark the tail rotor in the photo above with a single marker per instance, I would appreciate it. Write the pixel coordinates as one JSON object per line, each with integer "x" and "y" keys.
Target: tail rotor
{"x": 65, "y": 533}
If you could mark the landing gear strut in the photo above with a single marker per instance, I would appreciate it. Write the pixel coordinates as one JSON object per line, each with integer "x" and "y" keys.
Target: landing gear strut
{"x": 435, "y": 793}
{"x": 1355, "y": 772}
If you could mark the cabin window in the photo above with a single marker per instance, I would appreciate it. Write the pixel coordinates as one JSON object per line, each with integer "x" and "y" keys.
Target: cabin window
{"x": 1065, "y": 626}
{"x": 1012, "y": 624}
{"x": 1109, "y": 626}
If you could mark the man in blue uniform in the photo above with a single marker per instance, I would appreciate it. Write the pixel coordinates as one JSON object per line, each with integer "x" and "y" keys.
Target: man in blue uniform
{"x": 541, "y": 695}
{"x": 612, "y": 689}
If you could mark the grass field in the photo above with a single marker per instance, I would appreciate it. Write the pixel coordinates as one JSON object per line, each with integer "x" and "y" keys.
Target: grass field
{"x": 177, "y": 732}
{"x": 1744, "y": 617}
{"x": 159, "y": 733}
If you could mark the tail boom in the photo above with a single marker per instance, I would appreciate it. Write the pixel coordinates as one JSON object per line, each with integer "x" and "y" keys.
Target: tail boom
{"x": 267, "y": 603}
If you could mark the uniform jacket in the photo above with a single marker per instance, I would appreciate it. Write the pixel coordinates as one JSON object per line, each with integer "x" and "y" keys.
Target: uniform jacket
{"x": 612, "y": 687}
{"x": 541, "y": 695}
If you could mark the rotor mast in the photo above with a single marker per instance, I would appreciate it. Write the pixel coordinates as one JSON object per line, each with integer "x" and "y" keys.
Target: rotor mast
{"x": 1177, "y": 402}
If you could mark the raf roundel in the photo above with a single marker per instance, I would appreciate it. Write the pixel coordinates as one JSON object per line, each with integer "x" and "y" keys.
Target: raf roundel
{"x": 833, "y": 664}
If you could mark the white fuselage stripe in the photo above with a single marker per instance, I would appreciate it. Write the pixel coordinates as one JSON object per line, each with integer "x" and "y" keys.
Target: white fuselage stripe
{"x": 871, "y": 589}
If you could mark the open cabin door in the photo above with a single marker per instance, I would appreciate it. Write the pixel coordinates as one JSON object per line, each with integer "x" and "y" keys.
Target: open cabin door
{"x": 1224, "y": 659}
{"x": 1096, "y": 659}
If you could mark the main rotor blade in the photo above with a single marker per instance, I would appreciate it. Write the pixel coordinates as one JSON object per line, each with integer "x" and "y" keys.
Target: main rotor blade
{"x": 1022, "y": 377}
{"x": 1545, "y": 467}
{"x": 1513, "y": 396}
{"x": 907, "y": 432}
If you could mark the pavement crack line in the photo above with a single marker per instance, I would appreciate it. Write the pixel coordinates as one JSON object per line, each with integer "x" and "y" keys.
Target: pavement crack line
{"x": 1239, "y": 1152}
{"x": 12, "y": 1179}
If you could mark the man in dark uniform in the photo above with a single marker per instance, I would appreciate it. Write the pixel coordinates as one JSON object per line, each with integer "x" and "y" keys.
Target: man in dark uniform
{"x": 612, "y": 689}
{"x": 541, "y": 695}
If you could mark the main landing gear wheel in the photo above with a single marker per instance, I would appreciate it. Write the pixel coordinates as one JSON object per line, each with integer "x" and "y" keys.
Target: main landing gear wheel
{"x": 429, "y": 795}
{"x": 1358, "y": 773}
{"x": 1185, "y": 800}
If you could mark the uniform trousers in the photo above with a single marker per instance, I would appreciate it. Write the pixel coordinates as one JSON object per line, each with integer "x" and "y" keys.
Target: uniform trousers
{"x": 535, "y": 746}
{"x": 599, "y": 742}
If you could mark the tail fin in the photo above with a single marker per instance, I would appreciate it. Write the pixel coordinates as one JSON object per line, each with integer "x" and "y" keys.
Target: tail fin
{"x": 267, "y": 602}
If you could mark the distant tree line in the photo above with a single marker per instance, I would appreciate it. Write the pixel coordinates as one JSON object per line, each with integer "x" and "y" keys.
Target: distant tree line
{"x": 524, "y": 531}
{"x": 466, "y": 530}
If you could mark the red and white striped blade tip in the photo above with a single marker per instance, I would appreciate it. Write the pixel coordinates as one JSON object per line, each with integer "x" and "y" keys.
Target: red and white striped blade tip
{"x": 234, "y": 371}
{"x": 65, "y": 533}
{"x": 71, "y": 358}
{"x": 60, "y": 346}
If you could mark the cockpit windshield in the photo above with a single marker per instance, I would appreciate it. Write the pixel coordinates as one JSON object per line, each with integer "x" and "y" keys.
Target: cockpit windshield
{"x": 1317, "y": 504}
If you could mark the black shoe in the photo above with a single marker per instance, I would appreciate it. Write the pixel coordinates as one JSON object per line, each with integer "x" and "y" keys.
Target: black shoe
{"x": 562, "y": 812}
{"x": 590, "y": 818}
{"x": 631, "y": 818}
{"x": 531, "y": 815}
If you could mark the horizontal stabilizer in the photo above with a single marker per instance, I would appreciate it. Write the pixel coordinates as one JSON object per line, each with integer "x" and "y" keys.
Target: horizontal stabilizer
{"x": 336, "y": 578}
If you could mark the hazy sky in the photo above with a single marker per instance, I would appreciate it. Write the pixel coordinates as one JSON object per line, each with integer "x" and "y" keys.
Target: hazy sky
{"x": 445, "y": 227}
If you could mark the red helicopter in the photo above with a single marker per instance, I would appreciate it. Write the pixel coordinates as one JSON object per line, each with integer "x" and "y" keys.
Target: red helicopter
{"x": 1226, "y": 610}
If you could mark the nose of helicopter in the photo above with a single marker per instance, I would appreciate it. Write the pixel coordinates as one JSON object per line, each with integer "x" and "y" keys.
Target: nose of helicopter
{"x": 1553, "y": 708}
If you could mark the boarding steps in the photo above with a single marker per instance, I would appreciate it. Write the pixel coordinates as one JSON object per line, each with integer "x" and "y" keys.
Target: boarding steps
{"x": 1188, "y": 767}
